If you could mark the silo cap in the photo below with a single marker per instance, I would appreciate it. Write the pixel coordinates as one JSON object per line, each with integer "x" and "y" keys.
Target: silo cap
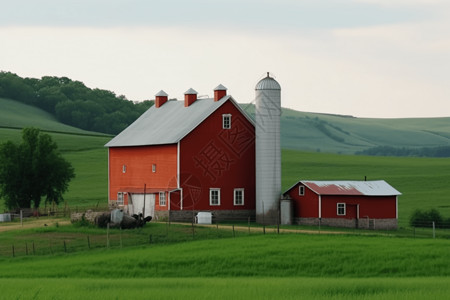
{"x": 268, "y": 83}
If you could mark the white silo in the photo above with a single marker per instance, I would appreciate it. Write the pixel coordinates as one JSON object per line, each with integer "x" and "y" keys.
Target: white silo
{"x": 268, "y": 150}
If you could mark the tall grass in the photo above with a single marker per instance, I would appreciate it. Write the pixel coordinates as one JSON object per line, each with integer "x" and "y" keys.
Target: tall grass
{"x": 225, "y": 288}
{"x": 287, "y": 255}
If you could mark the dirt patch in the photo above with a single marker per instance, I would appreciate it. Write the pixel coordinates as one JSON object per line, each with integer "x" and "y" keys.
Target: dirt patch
{"x": 33, "y": 223}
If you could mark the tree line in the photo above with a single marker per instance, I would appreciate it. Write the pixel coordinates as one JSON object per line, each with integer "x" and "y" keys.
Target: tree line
{"x": 72, "y": 103}
{"x": 440, "y": 151}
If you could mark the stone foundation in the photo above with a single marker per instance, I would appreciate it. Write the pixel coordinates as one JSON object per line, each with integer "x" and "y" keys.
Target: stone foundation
{"x": 375, "y": 224}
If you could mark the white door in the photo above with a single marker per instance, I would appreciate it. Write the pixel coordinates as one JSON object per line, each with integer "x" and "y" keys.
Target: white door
{"x": 137, "y": 205}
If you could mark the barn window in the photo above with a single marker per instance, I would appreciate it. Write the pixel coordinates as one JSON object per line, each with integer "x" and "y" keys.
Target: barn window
{"x": 124, "y": 168}
{"x": 301, "y": 190}
{"x": 154, "y": 168}
{"x": 238, "y": 196}
{"x": 341, "y": 209}
{"x": 226, "y": 121}
{"x": 214, "y": 197}
{"x": 120, "y": 198}
{"x": 162, "y": 199}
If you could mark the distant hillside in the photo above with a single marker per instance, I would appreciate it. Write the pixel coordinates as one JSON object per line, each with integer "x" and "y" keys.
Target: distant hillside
{"x": 16, "y": 115}
{"x": 345, "y": 134}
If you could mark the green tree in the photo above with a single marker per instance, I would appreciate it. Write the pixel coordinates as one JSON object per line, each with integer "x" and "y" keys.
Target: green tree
{"x": 32, "y": 170}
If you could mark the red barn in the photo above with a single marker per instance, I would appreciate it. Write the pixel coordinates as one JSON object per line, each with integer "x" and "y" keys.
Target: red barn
{"x": 357, "y": 204}
{"x": 185, "y": 156}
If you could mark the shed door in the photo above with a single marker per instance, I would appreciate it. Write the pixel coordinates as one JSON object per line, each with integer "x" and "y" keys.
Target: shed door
{"x": 137, "y": 204}
{"x": 352, "y": 211}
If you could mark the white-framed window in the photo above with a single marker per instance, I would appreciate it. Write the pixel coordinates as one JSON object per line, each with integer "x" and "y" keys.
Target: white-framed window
{"x": 238, "y": 196}
{"x": 341, "y": 209}
{"x": 214, "y": 196}
{"x": 226, "y": 121}
{"x": 119, "y": 198}
{"x": 162, "y": 198}
{"x": 124, "y": 168}
{"x": 154, "y": 168}
{"x": 301, "y": 190}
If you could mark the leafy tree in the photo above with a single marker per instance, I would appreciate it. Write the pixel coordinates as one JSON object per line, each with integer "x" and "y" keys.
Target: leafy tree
{"x": 32, "y": 170}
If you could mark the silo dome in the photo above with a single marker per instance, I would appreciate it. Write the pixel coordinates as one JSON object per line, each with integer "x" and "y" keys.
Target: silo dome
{"x": 268, "y": 83}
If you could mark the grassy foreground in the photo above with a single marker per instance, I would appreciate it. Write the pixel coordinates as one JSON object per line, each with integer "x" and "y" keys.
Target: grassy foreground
{"x": 271, "y": 266}
{"x": 226, "y": 288}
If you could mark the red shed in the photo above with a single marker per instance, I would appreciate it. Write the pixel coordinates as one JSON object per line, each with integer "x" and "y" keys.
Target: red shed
{"x": 358, "y": 204}
{"x": 186, "y": 156}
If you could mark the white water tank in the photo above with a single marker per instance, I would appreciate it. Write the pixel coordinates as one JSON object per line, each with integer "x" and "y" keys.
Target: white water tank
{"x": 268, "y": 150}
{"x": 204, "y": 218}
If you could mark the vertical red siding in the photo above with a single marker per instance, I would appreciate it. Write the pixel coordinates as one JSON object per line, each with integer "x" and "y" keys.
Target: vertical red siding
{"x": 212, "y": 157}
{"x": 306, "y": 206}
{"x": 138, "y": 162}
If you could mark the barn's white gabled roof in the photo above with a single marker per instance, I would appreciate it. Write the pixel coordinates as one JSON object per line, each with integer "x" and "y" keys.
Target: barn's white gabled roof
{"x": 169, "y": 123}
{"x": 366, "y": 188}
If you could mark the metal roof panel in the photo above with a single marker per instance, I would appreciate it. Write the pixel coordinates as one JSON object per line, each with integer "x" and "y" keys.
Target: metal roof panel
{"x": 366, "y": 188}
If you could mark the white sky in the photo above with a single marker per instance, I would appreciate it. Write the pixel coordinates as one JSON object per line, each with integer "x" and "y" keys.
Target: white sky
{"x": 366, "y": 58}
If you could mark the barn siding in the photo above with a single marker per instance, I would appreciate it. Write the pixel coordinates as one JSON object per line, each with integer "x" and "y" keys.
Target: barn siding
{"x": 138, "y": 162}
{"x": 212, "y": 157}
{"x": 373, "y": 207}
{"x": 306, "y": 206}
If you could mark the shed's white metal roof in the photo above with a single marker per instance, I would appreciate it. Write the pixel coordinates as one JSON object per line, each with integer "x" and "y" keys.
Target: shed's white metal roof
{"x": 169, "y": 123}
{"x": 366, "y": 188}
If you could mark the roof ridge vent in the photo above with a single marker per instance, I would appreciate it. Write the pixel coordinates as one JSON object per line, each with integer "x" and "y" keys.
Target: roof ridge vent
{"x": 189, "y": 97}
{"x": 219, "y": 92}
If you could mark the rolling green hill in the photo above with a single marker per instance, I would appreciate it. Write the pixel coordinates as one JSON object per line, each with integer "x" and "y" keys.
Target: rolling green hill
{"x": 345, "y": 134}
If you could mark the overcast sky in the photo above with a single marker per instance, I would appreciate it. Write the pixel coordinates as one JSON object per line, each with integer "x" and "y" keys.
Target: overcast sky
{"x": 366, "y": 58}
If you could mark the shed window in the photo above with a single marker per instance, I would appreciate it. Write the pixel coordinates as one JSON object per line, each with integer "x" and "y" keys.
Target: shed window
{"x": 124, "y": 168}
{"x": 238, "y": 196}
{"x": 214, "y": 197}
{"x": 226, "y": 121}
{"x": 154, "y": 168}
{"x": 341, "y": 209}
{"x": 301, "y": 190}
{"x": 119, "y": 198}
{"x": 162, "y": 199}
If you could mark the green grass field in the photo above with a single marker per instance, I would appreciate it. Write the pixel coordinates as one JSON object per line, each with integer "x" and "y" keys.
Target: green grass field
{"x": 256, "y": 266}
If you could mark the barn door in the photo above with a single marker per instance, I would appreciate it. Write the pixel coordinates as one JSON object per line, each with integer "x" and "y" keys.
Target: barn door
{"x": 137, "y": 206}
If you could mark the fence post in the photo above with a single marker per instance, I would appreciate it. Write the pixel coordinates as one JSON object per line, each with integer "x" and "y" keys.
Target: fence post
{"x": 434, "y": 230}
{"x": 13, "y": 253}
{"x": 107, "y": 235}
{"x": 26, "y": 249}
{"x": 89, "y": 242}
{"x": 65, "y": 247}
{"x": 34, "y": 249}
{"x": 249, "y": 225}
{"x": 21, "y": 218}
{"x": 233, "y": 231}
